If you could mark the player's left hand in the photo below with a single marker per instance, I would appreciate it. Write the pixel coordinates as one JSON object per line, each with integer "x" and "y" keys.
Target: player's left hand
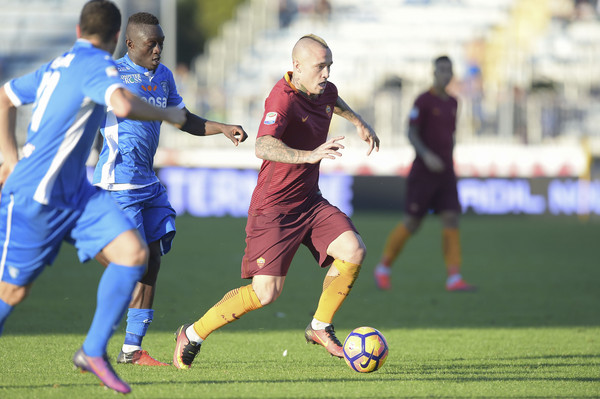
{"x": 367, "y": 133}
{"x": 235, "y": 133}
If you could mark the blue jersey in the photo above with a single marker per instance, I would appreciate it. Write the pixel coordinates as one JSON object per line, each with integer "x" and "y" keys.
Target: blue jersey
{"x": 69, "y": 96}
{"x": 127, "y": 157}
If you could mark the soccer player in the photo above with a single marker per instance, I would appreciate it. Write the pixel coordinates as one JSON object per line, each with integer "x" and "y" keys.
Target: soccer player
{"x": 431, "y": 183}
{"x": 46, "y": 197}
{"x": 125, "y": 167}
{"x": 287, "y": 208}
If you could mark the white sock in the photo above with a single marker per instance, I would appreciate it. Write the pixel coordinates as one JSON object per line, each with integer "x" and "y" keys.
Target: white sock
{"x": 192, "y": 335}
{"x": 130, "y": 348}
{"x": 318, "y": 325}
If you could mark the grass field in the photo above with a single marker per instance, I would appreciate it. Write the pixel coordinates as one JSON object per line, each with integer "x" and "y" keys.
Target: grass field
{"x": 532, "y": 329}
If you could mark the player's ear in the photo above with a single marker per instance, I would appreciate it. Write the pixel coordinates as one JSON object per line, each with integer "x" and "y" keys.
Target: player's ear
{"x": 129, "y": 43}
{"x": 78, "y": 31}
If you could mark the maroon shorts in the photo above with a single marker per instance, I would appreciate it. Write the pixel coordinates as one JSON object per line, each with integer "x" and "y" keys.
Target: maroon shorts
{"x": 273, "y": 239}
{"x": 427, "y": 191}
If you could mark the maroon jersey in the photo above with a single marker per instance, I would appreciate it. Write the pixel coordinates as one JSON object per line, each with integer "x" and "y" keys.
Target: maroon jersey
{"x": 435, "y": 118}
{"x": 300, "y": 123}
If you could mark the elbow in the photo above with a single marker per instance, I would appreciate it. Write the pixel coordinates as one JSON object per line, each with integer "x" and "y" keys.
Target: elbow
{"x": 123, "y": 109}
{"x": 259, "y": 153}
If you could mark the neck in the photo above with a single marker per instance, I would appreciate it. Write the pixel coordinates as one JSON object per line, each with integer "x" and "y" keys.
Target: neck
{"x": 302, "y": 89}
{"x": 440, "y": 91}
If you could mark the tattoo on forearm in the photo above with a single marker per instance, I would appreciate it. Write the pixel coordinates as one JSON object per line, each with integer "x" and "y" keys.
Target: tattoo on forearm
{"x": 277, "y": 151}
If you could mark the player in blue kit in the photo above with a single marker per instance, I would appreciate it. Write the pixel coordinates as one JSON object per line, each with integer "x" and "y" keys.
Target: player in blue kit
{"x": 125, "y": 167}
{"x": 46, "y": 198}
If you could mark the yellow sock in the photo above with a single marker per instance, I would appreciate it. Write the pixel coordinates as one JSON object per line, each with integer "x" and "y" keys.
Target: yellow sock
{"x": 394, "y": 244}
{"x": 234, "y": 305}
{"x": 451, "y": 250}
{"x": 336, "y": 289}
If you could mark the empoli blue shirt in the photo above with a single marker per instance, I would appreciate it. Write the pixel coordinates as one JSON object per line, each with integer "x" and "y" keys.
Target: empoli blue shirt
{"x": 127, "y": 157}
{"x": 69, "y": 96}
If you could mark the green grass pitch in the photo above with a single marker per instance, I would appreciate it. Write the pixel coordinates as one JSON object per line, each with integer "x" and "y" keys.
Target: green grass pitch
{"x": 531, "y": 331}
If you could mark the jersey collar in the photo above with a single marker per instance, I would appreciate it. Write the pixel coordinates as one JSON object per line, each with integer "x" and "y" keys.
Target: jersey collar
{"x": 288, "y": 79}
{"x": 139, "y": 68}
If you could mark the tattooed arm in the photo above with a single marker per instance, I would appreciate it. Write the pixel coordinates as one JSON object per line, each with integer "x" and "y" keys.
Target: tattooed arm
{"x": 271, "y": 149}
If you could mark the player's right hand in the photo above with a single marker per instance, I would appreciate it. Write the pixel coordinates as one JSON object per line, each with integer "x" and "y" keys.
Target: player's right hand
{"x": 329, "y": 150}
{"x": 433, "y": 162}
{"x": 235, "y": 133}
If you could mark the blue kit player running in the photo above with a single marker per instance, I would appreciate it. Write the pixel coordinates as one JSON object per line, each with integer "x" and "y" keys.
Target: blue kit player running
{"x": 125, "y": 167}
{"x": 46, "y": 198}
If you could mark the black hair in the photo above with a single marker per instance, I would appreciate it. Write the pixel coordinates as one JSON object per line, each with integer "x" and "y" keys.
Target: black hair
{"x": 143, "y": 18}
{"x": 101, "y": 18}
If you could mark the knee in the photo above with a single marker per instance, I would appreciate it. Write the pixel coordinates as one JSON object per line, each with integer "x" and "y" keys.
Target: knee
{"x": 13, "y": 294}
{"x": 412, "y": 224}
{"x": 266, "y": 293}
{"x": 139, "y": 255}
{"x": 450, "y": 220}
{"x": 266, "y": 296}
{"x": 356, "y": 251}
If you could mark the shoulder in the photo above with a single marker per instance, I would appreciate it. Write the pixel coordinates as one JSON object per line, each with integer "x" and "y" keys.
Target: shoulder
{"x": 423, "y": 99}
{"x": 331, "y": 88}
{"x": 282, "y": 93}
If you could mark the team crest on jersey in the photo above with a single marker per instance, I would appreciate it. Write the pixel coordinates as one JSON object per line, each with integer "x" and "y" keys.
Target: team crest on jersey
{"x": 260, "y": 262}
{"x": 270, "y": 119}
{"x": 165, "y": 86}
{"x": 328, "y": 110}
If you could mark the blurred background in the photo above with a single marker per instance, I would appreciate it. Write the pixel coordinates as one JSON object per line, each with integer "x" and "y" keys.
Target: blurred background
{"x": 526, "y": 76}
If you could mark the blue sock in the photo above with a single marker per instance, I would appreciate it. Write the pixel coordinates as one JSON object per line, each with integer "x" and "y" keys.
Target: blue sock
{"x": 5, "y": 310}
{"x": 138, "y": 321}
{"x": 114, "y": 294}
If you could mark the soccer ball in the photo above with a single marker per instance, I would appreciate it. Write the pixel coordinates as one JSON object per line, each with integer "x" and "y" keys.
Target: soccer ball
{"x": 365, "y": 349}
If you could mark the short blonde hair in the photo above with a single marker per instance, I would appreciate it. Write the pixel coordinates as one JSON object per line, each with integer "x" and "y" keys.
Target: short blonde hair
{"x": 316, "y": 38}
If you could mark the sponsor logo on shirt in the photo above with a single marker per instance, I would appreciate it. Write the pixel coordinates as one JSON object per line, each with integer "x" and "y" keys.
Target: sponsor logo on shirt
{"x": 160, "y": 102}
{"x": 270, "y": 119}
{"x": 131, "y": 79}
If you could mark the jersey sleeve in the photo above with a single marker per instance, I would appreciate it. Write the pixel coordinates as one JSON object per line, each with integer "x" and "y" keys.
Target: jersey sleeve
{"x": 102, "y": 79}
{"x": 174, "y": 98}
{"x": 418, "y": 112}
{"x": 23, "y": 90}
{"x": 276, "y": 117}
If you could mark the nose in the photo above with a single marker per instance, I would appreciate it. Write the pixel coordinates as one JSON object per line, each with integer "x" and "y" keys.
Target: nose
{"x": 326, "y": 72}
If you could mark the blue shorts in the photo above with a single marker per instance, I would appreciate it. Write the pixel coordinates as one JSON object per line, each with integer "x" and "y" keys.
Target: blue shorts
{"x": 31, "y": 233}
{"x": 150, "y": 210}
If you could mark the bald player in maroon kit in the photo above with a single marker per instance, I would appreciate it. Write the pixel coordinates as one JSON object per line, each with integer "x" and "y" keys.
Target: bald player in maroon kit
{"x": 431, "y": 183}
{"x": 287, "y": 208}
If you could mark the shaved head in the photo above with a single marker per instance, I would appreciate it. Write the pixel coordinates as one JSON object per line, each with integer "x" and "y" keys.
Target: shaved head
{"x": 311, "y": 61}
{"x": 306, "y": 44}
